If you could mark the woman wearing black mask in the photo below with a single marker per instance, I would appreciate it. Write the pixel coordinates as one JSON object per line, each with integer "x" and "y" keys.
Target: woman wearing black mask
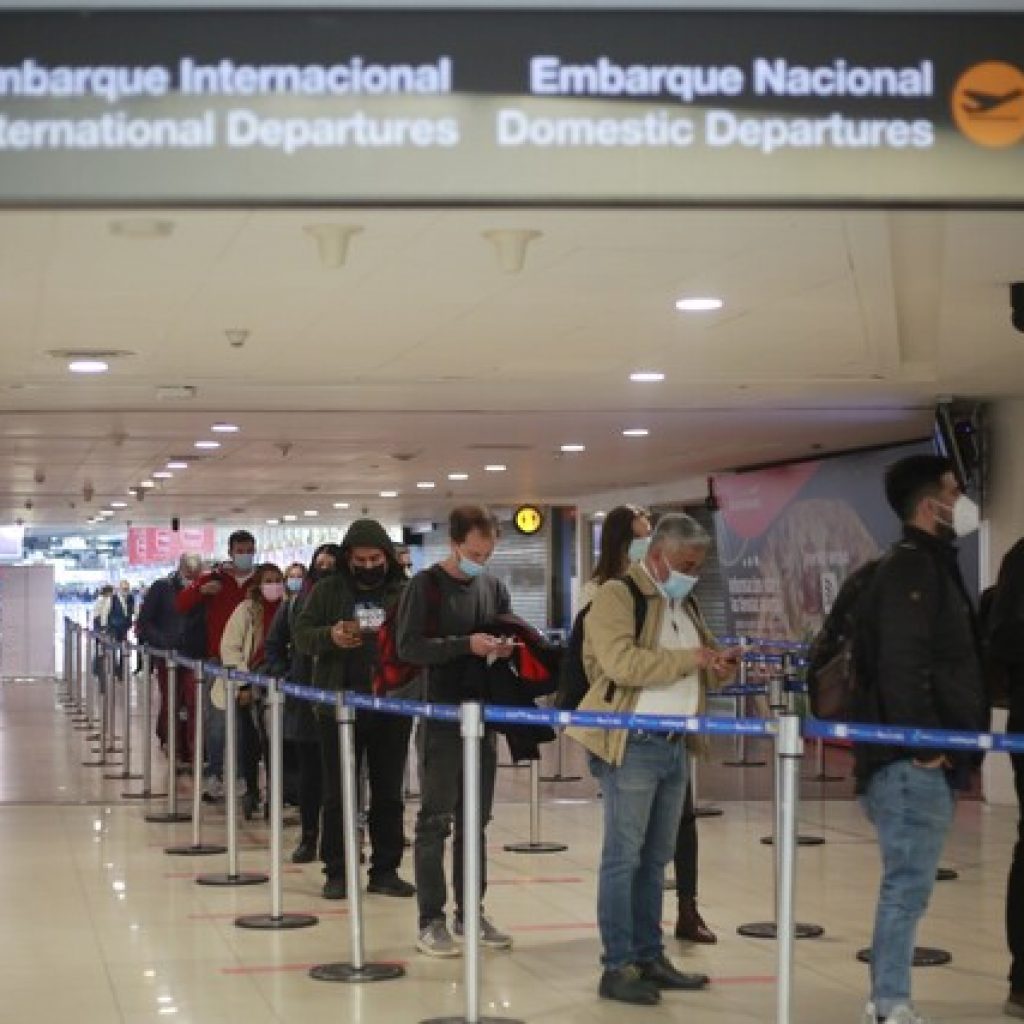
{"x": 302, "y": 741}
{"x": 338, "y": 626}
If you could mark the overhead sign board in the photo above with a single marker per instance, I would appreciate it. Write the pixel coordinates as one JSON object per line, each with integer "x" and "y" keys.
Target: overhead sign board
{"x": 511, "y": 107}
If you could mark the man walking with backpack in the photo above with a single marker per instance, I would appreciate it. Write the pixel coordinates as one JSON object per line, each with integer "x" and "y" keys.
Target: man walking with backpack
{"x": 918, "y": 664}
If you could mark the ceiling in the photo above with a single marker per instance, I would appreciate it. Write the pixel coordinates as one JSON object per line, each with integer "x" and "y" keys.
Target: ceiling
{"x": 420, "y": 356}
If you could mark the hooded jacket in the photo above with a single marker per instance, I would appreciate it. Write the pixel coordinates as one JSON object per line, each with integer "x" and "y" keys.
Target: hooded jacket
{"x": 335, "y": 599}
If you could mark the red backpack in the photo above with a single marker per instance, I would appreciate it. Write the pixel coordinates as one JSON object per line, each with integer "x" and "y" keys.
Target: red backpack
{"x": 390, "y": 672}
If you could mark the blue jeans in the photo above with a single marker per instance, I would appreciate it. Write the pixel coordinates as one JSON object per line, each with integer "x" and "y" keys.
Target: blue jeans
{"x": 643, "y": 802}
{"x": 912, "y": 810}
{"x": 213, "y": 724}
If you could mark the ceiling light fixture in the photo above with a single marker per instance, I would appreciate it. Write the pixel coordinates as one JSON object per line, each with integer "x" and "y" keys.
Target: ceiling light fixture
{"x": 698, "y": 304}
{"x": 458, "y": 476}
{"x": 289, "y": 518}
{"x": 571, "y": 448}
{"x": 225, "y": 428}
{"x": 210, "y": 445}
{"x": 389, "y": 494}
{"x": 495, "y": 467}
{"x": 177, "y": 464}
{"x": 162, "y": 474}
{"x": 147, "y": 484}
{"x": 311, "y": 513}
{"x": 647, "y": 377}
{"x": 119, "y": 504}
{"x": 273, "y": 522}
{"x": 88, "y": 366}
{"x": 426, "y": 485}
{"x": 635, "y": 432}
{"x": 341, "y": 504}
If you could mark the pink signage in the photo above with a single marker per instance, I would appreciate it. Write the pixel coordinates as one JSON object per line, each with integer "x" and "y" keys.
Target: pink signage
{"x": 154, "y": 545}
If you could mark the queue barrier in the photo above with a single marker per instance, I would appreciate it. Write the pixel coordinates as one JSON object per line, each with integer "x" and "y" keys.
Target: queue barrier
{"x": 787, "y": 731}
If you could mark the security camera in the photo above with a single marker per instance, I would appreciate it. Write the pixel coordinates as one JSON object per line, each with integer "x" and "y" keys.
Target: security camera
{"x": 40, "y": 476}
{"x": 28, "y": 505}
{"x": 711, "y": 501}
{"x": 1017, "y": 305}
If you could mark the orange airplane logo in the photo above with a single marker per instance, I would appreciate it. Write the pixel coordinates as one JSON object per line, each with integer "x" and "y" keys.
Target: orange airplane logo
{"x": 988, "y": 104}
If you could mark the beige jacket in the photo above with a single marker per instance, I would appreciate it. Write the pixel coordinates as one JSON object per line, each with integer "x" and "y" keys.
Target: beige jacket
{"x": 238, "y": 643}
{"x": 618, "y": 666}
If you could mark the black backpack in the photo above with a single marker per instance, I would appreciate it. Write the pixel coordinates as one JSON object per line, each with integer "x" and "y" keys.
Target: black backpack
{"x": 831, "y": 666}
{"x": 573, "y": 683}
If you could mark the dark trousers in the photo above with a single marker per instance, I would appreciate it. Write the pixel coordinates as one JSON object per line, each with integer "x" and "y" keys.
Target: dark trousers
{"x": 1015, "y": 886}
{"x": 251, "y": 745}
{"x": 384, "y": 742}
{"x": 686, "y": 850}
{"x": 186, "y": 698}
{"x": 307, "y": 759}
{"x": 439, "y": 750}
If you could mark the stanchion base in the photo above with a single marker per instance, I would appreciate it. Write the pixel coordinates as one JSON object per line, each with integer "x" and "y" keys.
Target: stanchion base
{"x": 267, "y": 922}
{"x": 823, "y": 777}
{"x": 535, "y": 847}
{"x": 708, "y": 811}
{"x": 744, "y": 764}
{"x": 357, "y": 975}
{"x": 946, "y": 875}
{"x": 560, "y": 778}
{"x": 465, "y": 1020}
{"x": 99, "y": 764}
{"x": 195, "y": 850}
{"x": 769, "y": 930}
{"x": 924, "y": 956}
{"x": 800, "y": 840}
{"x": 242, "y": 878}
{"x": 123, "y": 776}
{"x": 167, "y": 818}
{"x": 149, "y": 795}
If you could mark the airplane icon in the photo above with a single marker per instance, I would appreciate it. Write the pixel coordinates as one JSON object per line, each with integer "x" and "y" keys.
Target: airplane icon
{"x": 985, "y": 102}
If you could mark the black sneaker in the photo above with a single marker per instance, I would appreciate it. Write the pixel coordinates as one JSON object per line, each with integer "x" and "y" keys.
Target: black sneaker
{"x": 661, "y": 973}
{"x": 627, "y": 985}
{"x": 335, "y": 889}
{"x": 389, "y": 884}
{"x": 305, "y": 852}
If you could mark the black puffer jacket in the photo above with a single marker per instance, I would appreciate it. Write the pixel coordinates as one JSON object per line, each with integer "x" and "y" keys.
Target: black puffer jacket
{"x": 918, "y": 652}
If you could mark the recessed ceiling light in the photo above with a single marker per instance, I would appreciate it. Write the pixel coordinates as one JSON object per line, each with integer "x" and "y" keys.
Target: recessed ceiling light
{"x": 389, "y": 494}
{"x": 574, "y": 447}
{"x": 106, "y": 511}
{"x": 119, "y": 504}
{"x": 177, "y": 464}
{"x": 147, "y": 484}
{"x": 289, "y": 518}
{"x": 224, "y": 428}
{"x": 647, "y": 377}
{"x": 162, "y": 474}
{"x": 311, "y": 513}
{"x": 495, "y": 467}
{"x": 273, "y": 522}
{"x": 426, "y": 485}
{"x": 341, "y": 504}
{"x": 207, "y": 444}
{"x": 458, "y": 476}
{"x": 635, "y": 432}
{"x": 698, "y": 304}
{"x": 88, "y": 366}
{"x": 600, "y": 515}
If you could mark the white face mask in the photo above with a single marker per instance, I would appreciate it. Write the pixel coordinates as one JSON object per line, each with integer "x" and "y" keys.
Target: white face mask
{"x": 965, "y": 517}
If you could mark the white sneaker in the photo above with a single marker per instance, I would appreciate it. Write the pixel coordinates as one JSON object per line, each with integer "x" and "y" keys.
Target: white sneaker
{"x": 213, "y": 790}
{"x": 436, "y": 940}
{"x": 902, "y": 1014}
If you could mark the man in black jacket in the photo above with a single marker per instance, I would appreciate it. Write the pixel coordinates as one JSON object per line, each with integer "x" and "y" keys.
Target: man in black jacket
{"x": 1006, "y": 634}
{"x": 918, "y": 656}
{"x": 338, "y": 625}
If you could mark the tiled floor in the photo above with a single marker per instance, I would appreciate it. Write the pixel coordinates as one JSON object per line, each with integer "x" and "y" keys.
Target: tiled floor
{"x": 102, "y": 927}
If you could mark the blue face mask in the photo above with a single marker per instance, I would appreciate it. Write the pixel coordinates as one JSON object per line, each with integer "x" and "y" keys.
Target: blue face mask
{"x": 638, "y": 548}
{"x": 294, "y": 584}
{"x": 678, "y": 586}
{"x": 470, "y": 568}
{"x": 243, "y": 562}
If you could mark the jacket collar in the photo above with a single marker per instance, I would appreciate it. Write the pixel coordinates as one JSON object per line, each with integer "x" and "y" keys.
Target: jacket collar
{"x": 929, "y": 541}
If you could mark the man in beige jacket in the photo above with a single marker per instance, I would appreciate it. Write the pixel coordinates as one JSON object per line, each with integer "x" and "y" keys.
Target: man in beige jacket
{"x": 664, "y": 671}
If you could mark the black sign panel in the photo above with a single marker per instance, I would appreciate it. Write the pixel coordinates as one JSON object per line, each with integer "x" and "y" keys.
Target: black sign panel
{"x": 619, "y": 107}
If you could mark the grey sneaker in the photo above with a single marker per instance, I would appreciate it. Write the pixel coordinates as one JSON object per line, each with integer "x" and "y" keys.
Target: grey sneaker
{"x": 489, "y": 935}
{"x": 436, "y": 940}
{"x": 906, "y": 1014}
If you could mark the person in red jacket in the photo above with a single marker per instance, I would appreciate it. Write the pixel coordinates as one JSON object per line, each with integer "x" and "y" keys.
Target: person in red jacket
{"x": 220, "y": 591}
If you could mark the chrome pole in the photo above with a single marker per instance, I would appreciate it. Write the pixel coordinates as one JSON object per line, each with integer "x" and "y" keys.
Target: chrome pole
{"x": 789, "y": 748}
{"x": 357, "y": 970}
{"x": 126, "y": 714}
{"x": 535, "y": 845}
{"x": 147, "y": 732}
{"x": 172, "y": 814}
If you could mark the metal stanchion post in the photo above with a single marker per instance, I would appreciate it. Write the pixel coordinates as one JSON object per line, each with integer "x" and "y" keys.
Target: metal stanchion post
{"x": 104, "y": 719}
{"x": 81, "y": 714}
{"x": 789, "y": 748}
{"x": 741, "y": 760}
{"x": 357, "y": 970}
{"x": 472, "y": 722}
{"x": 232, "y": 876}
{"x": 820, "y": 774}
{"x": 535, "y": 845}
{"x": 197, "y": 848}
{"x": 86, "y": 722}
{"x": 126, "y": 714}
{"x": 277, "y": 919}
{"x": 172, "y": 814}
{"x": 110, "y": 701}
{"x": 147, "y": 733}
{"x": 560, "y": 775}
{"x": 700, "y": 810}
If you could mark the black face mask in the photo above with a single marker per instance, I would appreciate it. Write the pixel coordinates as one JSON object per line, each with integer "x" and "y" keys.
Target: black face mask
{"x": 370, "y": 578}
